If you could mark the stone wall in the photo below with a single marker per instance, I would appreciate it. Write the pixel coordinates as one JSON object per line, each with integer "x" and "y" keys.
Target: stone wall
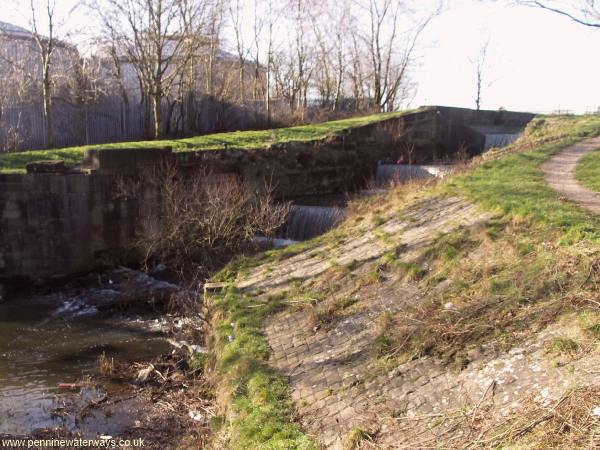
{"x": 54, "y": 225}
{"x": 57, "y": 224}
{"x": 345, "y": 162}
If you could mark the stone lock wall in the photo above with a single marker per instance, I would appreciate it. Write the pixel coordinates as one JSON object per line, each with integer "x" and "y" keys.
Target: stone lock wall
{"x": 54, "y": 225}
{"x": 65, "y": 222}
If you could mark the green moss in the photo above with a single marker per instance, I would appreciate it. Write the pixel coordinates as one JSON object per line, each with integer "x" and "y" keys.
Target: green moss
{"x": 377, "y": 220}
{"x": 198, "y": 361}
{"x": 411, "y": 271}
{"x": 354, "y": 437}
{"x": 594, "y": 330}
{"x": 561, "y": 346}
{"x": 450, "y": 246}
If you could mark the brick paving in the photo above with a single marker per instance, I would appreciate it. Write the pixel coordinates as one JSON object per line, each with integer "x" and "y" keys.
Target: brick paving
{"x": 337, "y": 382}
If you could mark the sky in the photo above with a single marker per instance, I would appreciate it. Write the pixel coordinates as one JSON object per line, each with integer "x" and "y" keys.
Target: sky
{"x": 537, "y": 61}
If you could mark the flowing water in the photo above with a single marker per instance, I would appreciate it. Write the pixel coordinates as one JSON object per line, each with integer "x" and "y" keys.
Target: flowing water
{"x": 305, "y": 222}
{"x": 402, "y": 173}
{"x": 48, "y": 339}
{"x": 499, "y": 140}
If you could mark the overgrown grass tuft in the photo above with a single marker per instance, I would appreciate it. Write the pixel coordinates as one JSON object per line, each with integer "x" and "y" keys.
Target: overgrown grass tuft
{"x": 497, "y": 295}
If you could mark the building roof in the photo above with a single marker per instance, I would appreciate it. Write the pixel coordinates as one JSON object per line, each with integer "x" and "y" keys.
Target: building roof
{"x": 13, "y": 30}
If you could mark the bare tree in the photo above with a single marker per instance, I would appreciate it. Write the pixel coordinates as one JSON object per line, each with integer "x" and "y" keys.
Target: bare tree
{"x": 200, "y": 219}
{"x": 214, "y": 29}
{"x": 584, "y": 12}
{"x": 331, "y": 26}
{"x": 18, "y": 86}
{"x": 159, "y": 38}
{"x": 357, "y": 73}
{"x": 389, "y": 55}
{"x": 480, "y": 69}
{"x": 46, "y": 45}
{"x": 237, "y": 23}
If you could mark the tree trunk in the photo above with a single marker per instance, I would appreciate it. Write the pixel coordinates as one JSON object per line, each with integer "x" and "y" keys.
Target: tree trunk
{"x": 46, "y": 88}
{"x": 268, "y": 92}
{"x": 157, "y": 116}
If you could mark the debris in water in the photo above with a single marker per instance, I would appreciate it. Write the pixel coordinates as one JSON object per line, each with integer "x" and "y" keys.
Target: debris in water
{"x": 70, "y": 385}
{"x": 144, "y": 374}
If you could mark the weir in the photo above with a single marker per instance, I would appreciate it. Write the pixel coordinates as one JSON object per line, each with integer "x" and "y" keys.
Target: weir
{"x": 500, "y": 140}
{"x": 305, "y": 222}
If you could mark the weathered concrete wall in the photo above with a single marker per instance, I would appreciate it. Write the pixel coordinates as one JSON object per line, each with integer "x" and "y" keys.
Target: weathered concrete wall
{"x": 57, "y": 224}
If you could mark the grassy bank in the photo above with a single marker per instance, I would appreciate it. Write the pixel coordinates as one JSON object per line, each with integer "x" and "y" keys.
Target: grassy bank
{"x": 511, "y": 182}
{"x": 15, "y": 162}
{"x": 259, "y": 412}
{"x": 587, "y": 171}
{"x": 487, "y": 288}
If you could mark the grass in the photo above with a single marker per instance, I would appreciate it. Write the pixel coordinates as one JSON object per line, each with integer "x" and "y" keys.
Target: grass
{"x": 353, "y": 439}
{"x": 561, "y": 346}
{"x": 15, "y": 162}
{"x": 514, "y": 184}
{"x": 587, "y": 171}
{"x": 534, "y": 262}
{"x": 531, "y": 263}
{"x": 499, "y": 296}
{"x": 259, "y": 406}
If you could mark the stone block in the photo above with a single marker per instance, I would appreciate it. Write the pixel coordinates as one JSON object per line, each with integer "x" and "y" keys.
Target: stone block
{"x": 124, "y": 160}
{"x": 51, "y": 166}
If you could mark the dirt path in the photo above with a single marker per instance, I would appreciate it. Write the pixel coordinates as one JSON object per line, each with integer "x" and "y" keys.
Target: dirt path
{"x": 560, "y": 175}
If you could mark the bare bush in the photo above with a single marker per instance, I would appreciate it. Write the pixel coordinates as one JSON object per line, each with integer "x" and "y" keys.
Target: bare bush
{"x": 200, "y": 219}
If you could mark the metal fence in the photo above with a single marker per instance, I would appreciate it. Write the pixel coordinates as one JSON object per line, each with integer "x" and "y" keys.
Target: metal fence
{"x": 23, "y": 127}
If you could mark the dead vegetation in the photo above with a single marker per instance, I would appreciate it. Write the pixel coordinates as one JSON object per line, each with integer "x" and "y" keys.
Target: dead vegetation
{"x": 500, "y": 288}
{"x": 201, "y": 219}
{"x": 570, "y": 422}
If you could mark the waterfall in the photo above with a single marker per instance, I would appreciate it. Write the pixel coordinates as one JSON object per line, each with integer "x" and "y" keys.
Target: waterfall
{"x": 306, "y": 222}
{"x": 498, "y": 140}
{"x": 402, "y": 173}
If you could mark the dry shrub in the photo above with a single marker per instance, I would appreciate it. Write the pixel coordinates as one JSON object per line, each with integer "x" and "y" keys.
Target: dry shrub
{"x": 568, "y": 423}
{"x": 200, "y": 219}
{"x": 396, "y": 195}
{"x": 106, "y": 365}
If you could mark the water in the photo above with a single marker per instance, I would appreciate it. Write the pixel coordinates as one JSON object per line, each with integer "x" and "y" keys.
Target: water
{"x": 499, "y": 140}
{"x": 267, "y": 242}
{"x": 305, "y": 222}
{"x": 57, "y": 338}
{"x": 402, "y": 173}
